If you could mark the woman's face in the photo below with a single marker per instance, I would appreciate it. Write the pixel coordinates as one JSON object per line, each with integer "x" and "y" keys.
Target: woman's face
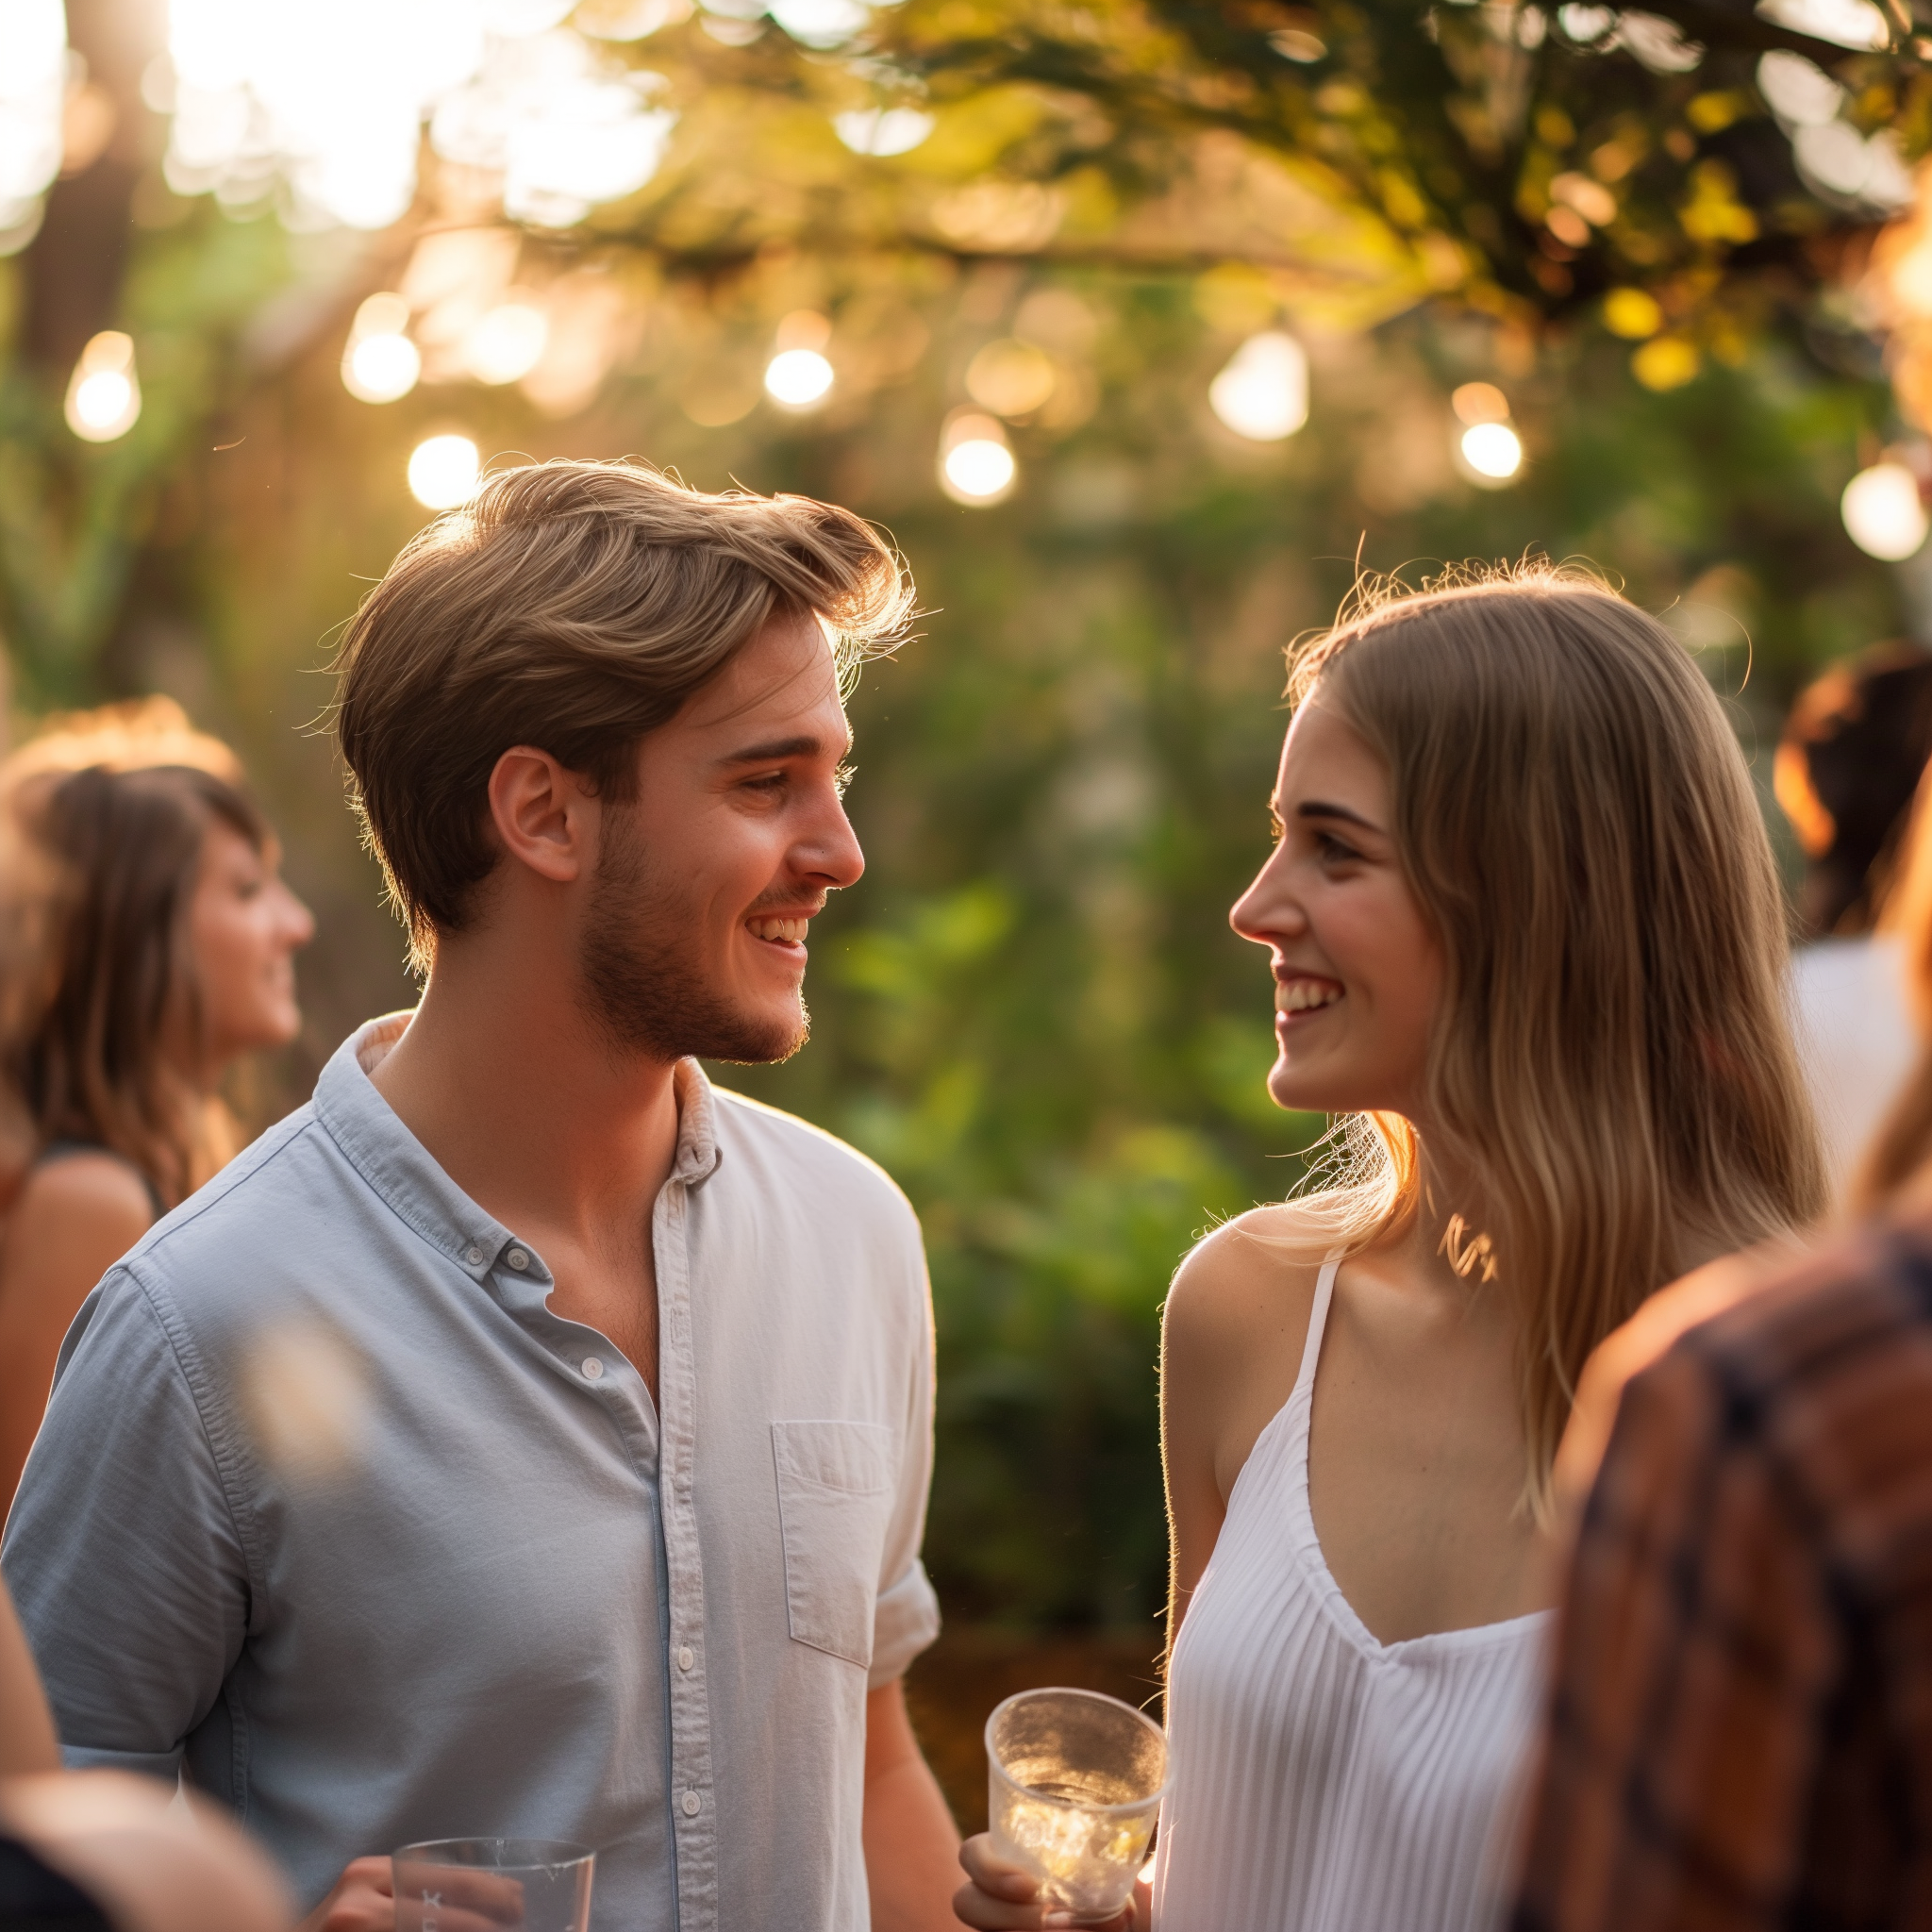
{"x": 244, "y": 927}
{"x": 1357, "y": 972}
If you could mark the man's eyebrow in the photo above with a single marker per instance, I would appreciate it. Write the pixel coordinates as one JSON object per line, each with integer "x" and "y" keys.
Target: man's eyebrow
{"x": 1321, "y": 808}
{"x": 808, "y": 747}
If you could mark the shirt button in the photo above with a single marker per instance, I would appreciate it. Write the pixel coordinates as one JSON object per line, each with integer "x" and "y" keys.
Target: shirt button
{"x": 518, "y": 1260}
{"x": 592, "y": 1368}
{"x": 685, "y": 1658}
{"x": 690, "y": 1804}
{"x": 473, "y": 1256}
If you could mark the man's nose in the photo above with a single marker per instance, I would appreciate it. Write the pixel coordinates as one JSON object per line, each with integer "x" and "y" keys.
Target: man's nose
{"x": 834, "y": 855}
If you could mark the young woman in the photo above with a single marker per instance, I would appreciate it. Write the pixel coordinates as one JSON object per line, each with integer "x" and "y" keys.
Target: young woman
{"x": 153, "y": 947}
{"x": 1526, "y": 933}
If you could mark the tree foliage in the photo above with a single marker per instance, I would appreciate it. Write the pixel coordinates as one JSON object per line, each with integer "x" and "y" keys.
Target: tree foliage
{"x": 1031, "y": 1011}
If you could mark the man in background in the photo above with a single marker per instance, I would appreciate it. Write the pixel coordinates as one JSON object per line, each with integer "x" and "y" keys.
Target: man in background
{"x": 526, "y": 1438}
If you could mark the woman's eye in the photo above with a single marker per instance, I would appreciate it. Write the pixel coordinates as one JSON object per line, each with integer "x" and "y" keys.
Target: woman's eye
{"x": 1333, "y": 848}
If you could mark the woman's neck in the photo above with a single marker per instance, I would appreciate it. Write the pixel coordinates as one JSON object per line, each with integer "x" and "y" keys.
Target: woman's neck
{"x": 1447, "y": 1236}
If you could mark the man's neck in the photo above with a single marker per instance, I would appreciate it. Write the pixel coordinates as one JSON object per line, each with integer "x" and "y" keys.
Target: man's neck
{"x": 528, "y": 1109}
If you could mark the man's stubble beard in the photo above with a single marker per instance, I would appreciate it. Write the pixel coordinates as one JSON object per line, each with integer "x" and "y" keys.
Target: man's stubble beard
{"x": 642, "y": 982}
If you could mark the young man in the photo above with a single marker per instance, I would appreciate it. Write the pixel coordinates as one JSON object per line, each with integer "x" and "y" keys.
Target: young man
{"x": 525, "y": 1438}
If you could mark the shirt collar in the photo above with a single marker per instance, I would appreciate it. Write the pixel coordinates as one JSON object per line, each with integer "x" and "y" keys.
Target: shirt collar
{"x": 697, "y": 1124}
{"x": 402, "y": 1172}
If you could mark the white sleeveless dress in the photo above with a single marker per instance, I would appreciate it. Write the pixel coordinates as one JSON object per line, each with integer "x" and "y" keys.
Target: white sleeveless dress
{"x": 1324, "y": 1782}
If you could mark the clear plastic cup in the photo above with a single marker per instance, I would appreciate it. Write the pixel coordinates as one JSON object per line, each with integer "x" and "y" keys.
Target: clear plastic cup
{"x": 493, "y": 1885}
{"x": 1075, "y": 1784}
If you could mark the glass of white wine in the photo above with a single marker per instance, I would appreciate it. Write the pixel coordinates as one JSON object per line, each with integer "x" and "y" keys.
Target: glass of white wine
{"x": 1075, "y": 1780}
{"x": 493, "y": 1885}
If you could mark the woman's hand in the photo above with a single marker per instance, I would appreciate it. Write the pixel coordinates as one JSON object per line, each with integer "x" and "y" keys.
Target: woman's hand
{"x": 999, "y": 1897}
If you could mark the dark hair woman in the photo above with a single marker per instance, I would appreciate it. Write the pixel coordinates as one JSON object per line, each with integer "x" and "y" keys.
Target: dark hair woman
{"x": 154, "y": 947}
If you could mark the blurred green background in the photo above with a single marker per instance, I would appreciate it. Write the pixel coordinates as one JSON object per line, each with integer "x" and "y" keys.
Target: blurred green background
{"x": 1031, "y": 1011}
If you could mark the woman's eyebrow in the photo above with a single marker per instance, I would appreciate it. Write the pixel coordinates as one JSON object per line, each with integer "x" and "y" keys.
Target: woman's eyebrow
{"x": 1321, "y": 808}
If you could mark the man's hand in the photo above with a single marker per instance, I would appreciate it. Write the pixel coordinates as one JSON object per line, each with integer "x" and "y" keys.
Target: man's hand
{"x": 362, "y": 1901}
{"x": 999, "y": 1897}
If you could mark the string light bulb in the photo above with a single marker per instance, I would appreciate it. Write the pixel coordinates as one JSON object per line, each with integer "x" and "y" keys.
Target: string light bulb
{"x": 104, "y": 392}
{"x": 977, "y": 464}
{"x": 799, "y": 376}
{"x": 444, "y": 472}
{"x": 1884, "y": 512}
{"x": 1262, "y": 394}
{"x": 380, "y": 363}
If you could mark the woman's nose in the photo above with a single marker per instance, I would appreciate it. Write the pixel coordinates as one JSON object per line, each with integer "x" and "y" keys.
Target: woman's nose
{"x": 298, "y": 922}
{"x": 1267, "y": 908}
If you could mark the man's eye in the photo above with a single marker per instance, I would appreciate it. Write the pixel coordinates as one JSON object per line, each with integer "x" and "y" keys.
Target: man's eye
{"x": 1276, "y": 830}
{"x": 767, "y": 781}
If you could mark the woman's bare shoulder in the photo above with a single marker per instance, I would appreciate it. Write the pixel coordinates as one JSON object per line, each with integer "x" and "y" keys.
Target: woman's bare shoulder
{"x": 92, "y": 1189}
{"x": 1249, "y": 1279}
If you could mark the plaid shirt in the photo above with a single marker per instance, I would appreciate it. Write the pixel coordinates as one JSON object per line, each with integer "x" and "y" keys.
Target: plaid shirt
{"x": 1739, "y": 1732}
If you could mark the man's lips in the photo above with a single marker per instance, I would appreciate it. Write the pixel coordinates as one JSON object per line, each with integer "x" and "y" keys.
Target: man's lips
{"x": 784, "y": 926}
{"x": 787, "y": 932}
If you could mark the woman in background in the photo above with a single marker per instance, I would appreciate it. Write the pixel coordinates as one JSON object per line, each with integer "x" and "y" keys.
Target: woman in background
{"x": 1526, "y": 930}
{"x": 152, "y": 946}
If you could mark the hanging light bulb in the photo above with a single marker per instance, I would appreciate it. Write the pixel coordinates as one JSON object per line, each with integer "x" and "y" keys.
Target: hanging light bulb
{"x": 444, "y": 472}
{"x": 977, "y": 464}
{"x": 1884, "y": 513}
{"x": 508, "y": 343}
{"x": 1263, "y": 392}
{"x": 381, "y": 363}
{"x": 104, "y": 392}
{"x": 1492, "y": 450}
{"x": 799, "y": 376}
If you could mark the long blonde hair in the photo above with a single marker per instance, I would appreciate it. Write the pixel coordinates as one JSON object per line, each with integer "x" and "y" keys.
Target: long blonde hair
{"x": 1613, "y": 1065}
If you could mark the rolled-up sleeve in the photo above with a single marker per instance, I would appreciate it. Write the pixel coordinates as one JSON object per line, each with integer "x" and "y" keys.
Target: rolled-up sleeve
{"x": 121, "y": 1549}
{"x": 906, "y": 1616}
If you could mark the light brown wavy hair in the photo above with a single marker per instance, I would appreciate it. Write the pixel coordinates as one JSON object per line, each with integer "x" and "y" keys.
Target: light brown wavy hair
{"x": 1613, "y": 1063}
{"x": 103, "y": 819}
{"x": 574, "y": 607}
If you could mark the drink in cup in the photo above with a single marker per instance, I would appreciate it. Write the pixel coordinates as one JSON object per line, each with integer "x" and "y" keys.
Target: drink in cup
{"x": 1075, "y": 1781}
{"x": 492, "y": 1884}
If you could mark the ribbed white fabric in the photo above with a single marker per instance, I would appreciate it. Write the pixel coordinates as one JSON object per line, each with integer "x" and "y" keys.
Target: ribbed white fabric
{"x": 1324, "y": 1782}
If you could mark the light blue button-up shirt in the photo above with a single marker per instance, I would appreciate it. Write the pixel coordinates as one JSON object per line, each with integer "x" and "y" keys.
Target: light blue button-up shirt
{"x": 331, "y": 1510}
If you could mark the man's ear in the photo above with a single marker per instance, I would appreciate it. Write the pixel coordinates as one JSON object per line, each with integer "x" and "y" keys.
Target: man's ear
{"x": 544, "y": 815}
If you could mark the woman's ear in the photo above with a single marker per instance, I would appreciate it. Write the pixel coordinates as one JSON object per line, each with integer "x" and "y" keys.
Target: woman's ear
{"x": 542, "y": 813}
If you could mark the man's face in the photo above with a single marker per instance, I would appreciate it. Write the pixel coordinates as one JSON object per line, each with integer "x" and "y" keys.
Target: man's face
{"x": 694, "y": 939}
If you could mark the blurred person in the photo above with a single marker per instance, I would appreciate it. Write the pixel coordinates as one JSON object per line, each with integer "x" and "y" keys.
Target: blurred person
{"x": 1847, "y": 766}
{"x": 1527, "y": 930}
{"x": 103, "y": 1852}
{"x": 526, "y": 1438}
{"x": 152, "y": 948}
{"x": 1739, "y": 1735}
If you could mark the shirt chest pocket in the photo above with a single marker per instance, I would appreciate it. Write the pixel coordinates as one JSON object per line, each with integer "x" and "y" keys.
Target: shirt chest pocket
{"x": 835, "y": 1495}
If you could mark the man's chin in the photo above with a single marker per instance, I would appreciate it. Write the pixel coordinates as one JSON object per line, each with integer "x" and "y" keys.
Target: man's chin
{"x": 767, "y": 1047}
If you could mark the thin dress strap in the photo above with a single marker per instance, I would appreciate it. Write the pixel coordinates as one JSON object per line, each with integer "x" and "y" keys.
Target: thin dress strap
{"x": 1318, "y": 1321}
